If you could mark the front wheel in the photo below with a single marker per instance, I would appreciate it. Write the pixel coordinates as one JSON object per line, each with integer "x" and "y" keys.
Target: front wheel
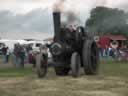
{"x": 41, "y": 65}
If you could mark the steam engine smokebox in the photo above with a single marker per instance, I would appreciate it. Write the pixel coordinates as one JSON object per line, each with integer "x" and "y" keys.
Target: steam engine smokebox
{"x": 59, "y": 47}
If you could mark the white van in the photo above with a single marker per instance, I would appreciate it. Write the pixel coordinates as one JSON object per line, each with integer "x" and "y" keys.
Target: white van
{"x": 35, "y": 45}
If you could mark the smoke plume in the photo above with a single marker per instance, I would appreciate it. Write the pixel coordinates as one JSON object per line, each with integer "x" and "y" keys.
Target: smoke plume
{"x": 101, "y": 3}
{"x": 69, "y": 16}
{"x": 59, "y": 6}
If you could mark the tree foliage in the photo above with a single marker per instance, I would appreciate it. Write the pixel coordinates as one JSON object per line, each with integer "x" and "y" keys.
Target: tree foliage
{"x": 107, "y": 21}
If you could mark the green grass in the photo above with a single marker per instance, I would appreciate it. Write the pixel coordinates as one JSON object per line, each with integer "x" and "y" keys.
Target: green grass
{"x": 108, "y": 68}
{"x": 112, "y": 80}
{"x": 15, "y": 72}
{"x": 114, "y": 69}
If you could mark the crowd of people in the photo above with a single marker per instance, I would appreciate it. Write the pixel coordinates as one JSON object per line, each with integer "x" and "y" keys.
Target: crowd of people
{"x": 115, "y": 53}
{"x": 20, "y": 54}
{"x": 5, "y": 54}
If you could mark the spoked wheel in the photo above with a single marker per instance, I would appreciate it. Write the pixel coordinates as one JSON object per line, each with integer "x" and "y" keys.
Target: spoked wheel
{"x": 75, "y": 64}
{"x": 90, "y": 57}
{"x": 61, "y": 71}
{"x": 41, "y": 65}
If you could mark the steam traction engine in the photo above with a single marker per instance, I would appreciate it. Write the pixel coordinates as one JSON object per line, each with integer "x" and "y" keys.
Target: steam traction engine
{"x": 71, "y": 50}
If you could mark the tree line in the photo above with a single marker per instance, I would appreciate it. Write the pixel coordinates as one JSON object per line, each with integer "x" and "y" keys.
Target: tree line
{"x": 105, "y": 20}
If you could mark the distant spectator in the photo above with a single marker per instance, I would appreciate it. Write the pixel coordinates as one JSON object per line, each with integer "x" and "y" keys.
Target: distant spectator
{"x": 28, "y": 48}
{"x": 106, "y": 50}
{"x": 22, "y": 56}
{"x": 7, "y": 54}
{"x": 15, "y": 54}
{"x": 4, "y": 53}
{"x": 109, "y": 50}
{"x": 32, "y": 58}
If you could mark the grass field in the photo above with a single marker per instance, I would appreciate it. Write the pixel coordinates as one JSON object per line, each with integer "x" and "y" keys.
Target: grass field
{"x": 112, "y": 80}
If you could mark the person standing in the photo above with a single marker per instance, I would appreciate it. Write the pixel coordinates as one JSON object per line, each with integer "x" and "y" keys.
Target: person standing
{"x": 22, "y": 56}
{"x": 15, "y": 54}
{"x": 7, "y": 55}
{"x": 28, "y": 50}
{"x": 4, "y": 53}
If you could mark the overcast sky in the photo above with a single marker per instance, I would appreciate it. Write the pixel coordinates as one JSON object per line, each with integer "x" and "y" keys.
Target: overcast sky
{"x": 33, "y": 18}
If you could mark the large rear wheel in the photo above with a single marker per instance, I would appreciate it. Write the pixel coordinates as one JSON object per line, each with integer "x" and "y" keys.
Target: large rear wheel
{"x": 90, "y": 57}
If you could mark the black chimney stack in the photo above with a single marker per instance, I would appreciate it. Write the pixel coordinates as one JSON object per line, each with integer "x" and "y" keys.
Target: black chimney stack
{"x": 57, "y": 25}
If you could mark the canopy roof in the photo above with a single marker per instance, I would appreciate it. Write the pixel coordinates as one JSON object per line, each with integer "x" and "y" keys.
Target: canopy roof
{"x": 116, "y": 37}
